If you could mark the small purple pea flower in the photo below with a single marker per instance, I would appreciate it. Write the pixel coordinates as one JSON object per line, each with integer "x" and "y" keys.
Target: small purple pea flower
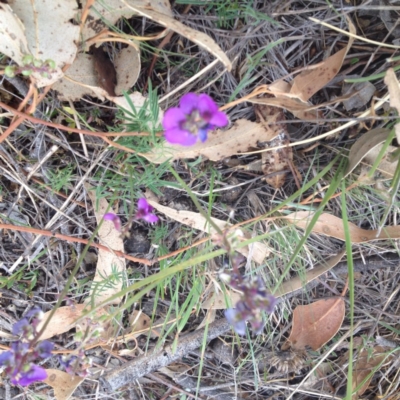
{"x": 196, "y": 115}
{"x": 114, "y": 219}
{"x": 254, "y": 300}
{"x": 145, "y": 211}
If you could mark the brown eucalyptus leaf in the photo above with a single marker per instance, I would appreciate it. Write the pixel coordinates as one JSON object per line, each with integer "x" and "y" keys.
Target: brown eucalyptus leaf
{"x": 13, "y": 41}
{"x": 259, "y": 251}
{"x": 394, "y": 91}
{"x": 387, "y": 166}
{"x": 366, "y": 363}
{"x": 107, "y": 262}
{"x": 310, "y": 81}
{"x": 332, "y": 226}
{"x": 366, "y": 143}
{"x": 241, "y": 137}
{"x": 106, "y": 75}
{"x": 50, "y": 32}
{"x": 316, "y": 323}
{"x": 300, "y": 281}
{"x": 139, "y": 322}
{"x": 63, "y": 384}
{"x": 127, "y": 66}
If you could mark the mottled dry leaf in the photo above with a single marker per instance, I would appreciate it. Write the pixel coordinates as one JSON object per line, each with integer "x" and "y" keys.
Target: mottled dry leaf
{"x": 218, "y": 301}
{"x": 106, "y": 13}
{"x": 139, "y": 322}
{"x": 394, "y": 91}
{"x": 13, "y": 41}
{"x": 300, "y": 281}
{"x": 332, "y": 226}
{"x": 360, "y": 93}
{"x": 365, "y": 366}
{"x": 316, "y": 323}
{"x": 107, "y": 262}
{"x": 195, "y": 220}
{"x": 127, "y": 65}
{"x": 241, "y": 137}
{"x": 63, "y": 320}
{"x": 309, "y": 82}
{"x": 63, "y": 384}
{"x": 201, "y": 39}
{"x": 366, "y": 143}
{"x": 50, "y": 32}
{"x": 386, "y": 167}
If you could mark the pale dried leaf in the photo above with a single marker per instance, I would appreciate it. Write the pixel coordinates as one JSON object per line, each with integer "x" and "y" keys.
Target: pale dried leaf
{"x": 366, "y": 363}
{"x": 13, "y": 42}
{"x": 366, "y": 143}
{"x": 80, "y": 80}
{"x": 316, "y": 323}
{"x": 105, "y": 13}
{"x": 300, "y": 281}
{"x": 309, "y": 82}
{"x": 197, "y": 37}
{"x": 107, "y": 262}
{"x": 63, "y": 384}
{"x": 218, "y": 301}
{"x": 386, "y": 167}
{"x": 195, "y": 220}
{"x": 241, "y": 137}
{"x": 360, "y": 92}
{"x": 139, "y": 323}
{"x": 62, "y": 321}
{"x": 49, "y": 32}
{"x": 332, "y": 226}
{"x": 394, "y": 91}
{"x": 127, "y": 66}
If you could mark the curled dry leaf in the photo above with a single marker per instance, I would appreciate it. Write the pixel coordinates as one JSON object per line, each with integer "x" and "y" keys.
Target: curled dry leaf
{"x": 300, "y": 281}
{"x": 332, "y": 226}
{"x": 195, "y": 220}
{"x": 241, "y": 137}
{"x": 107, "y": 263}
{"x": 367, "y": 363}
{"x": 316, "y": 323}
{"x": 49, "y": 32}
{"x": 63, "y": 384}
{"x": 169, "y": 22}
{"x": 13, "y": 42}
{"x": 310, "y": 81}
{"x": 365, "y": 144}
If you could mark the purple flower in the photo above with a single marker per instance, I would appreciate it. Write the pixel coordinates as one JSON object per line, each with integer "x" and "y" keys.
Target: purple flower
{"x": 44, "y": 349}
{"x": 196, "y": 115}
{"x": 33, "y": 373}
{"x": 254, "y": 300}
{"x": 114, "y": 219}
{"x": 144, "y": 211}
{"x": 21, "y": 328}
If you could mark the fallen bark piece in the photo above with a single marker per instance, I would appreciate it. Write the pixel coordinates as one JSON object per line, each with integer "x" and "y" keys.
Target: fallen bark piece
{"x": 141, "y": 366}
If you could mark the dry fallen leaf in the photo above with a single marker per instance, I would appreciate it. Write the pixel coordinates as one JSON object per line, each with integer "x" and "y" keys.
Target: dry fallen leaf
{"x": 13, "y": 42}
{"x": 299, "y": 282}
{"x": 259, "y": 251}
{"x": 387, "y": 166}
{"x": 107, "y": 263}
{"x": 49, "y": 32}
{"x": 316, "y": 323}
{"x": 63, "y": 384}
{"x": 138, "y": 322}
{"x": 366, "y": 363}
{"x": 310, "y": 81}
{"x": 394, "y": 91}
{"x": 127, "y": 65}
{"x": 365, "y": 144}
{"x": 241, "y": 137}
{"x": 332, "y": 226}
{"x": 218, "y": 301}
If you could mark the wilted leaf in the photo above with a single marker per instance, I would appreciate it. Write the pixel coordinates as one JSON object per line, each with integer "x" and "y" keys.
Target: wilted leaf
{"x": 316, "y": 323}
{"x": 169, "y": 22}
{"x": 197, "y": 221}
{"x": 299, "y": 282}
{"x": 367, "y": 362}
{"x": 13, "y": 42}
{"x": 127, "y": 65}
{"x": 241, "y": 137}
{"x": 63, "y": 384}
{"x": 332, "y": 226}
{"x": 360, "y": 92}
{"x": 366, "y": 143}
{"x": 309, "y": 82}
{"x": 387, "y": 166}
{"x": 50, "y": 32}
{"x": 394, "y": 91}
{"x": 217, "y": 301}
{"x": 108, "y": 263}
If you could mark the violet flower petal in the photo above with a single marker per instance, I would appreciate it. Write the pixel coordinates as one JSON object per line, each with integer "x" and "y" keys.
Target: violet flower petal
{"x": 6, "y": 358}
{"x": 150, "y": 218}
{"x": 180, "y": 136}
{"x": 20, "y": 327}
{"x": 234, "y": 318}
{"x": 219, "y": 119}
{"x": 114, "y": 219}
{"x": 189, "y": 102}
{"x": 35, "y": 374}
{"x": 173, "y": 118}
{"x": 44, "y": 349}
